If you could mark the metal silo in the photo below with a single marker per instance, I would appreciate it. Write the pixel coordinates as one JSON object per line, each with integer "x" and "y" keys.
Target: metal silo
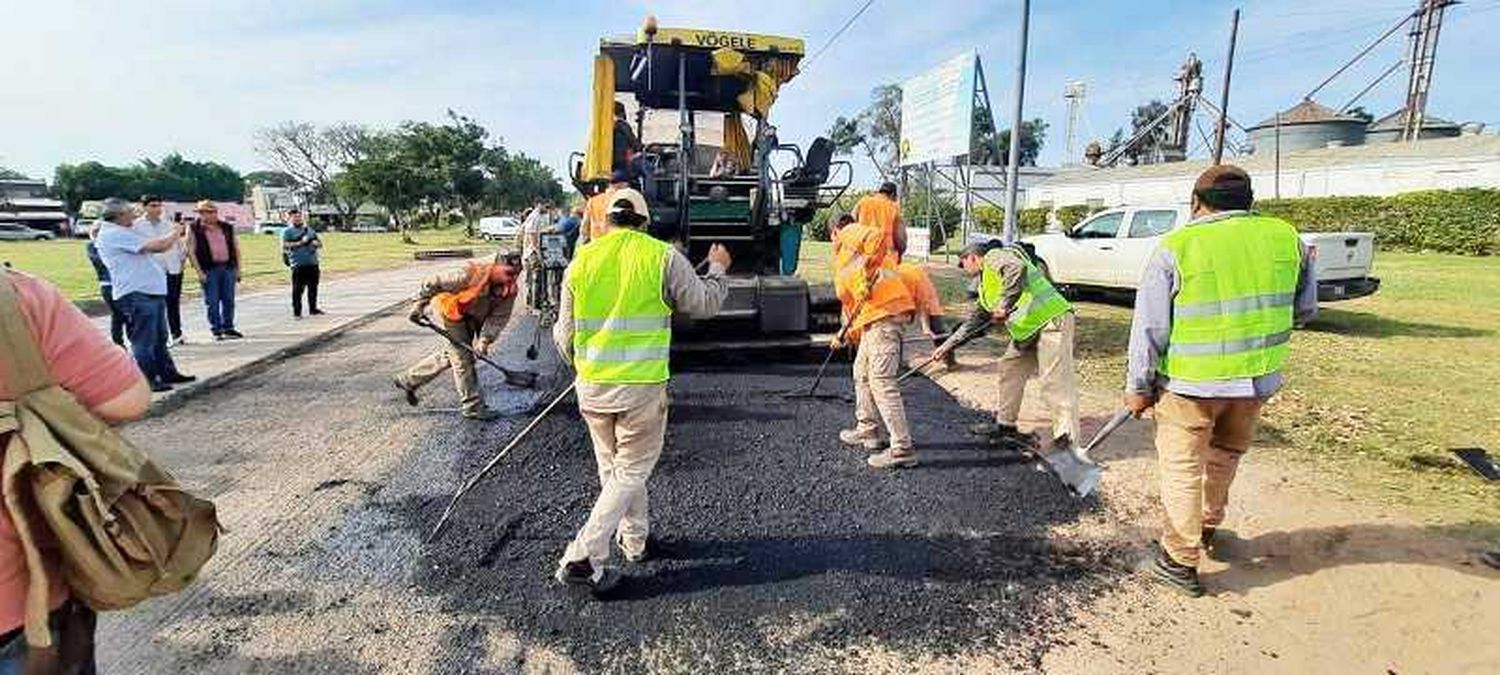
{"x": 1307, "y": 126}
{"x": 1388, "y": 129}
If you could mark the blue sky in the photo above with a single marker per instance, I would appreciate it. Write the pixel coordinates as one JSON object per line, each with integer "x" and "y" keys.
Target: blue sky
{"x": 89, "y": 79}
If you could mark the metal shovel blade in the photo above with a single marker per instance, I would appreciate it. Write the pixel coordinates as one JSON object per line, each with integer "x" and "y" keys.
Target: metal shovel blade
{"x": 1075, "y": 470}
{"x": 1073, "y": 466}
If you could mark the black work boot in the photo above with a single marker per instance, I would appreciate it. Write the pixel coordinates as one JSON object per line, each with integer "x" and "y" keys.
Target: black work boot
{"x": 581, "y": 573}
{"x": 1179, "y": 577}
{"x": 409, "y": 391}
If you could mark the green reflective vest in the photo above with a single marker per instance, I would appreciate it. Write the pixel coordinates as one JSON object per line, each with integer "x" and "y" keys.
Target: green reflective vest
{"x": 622, "y": 328}
{"x": 1232, "y": 316}
{"x": 1039, "y": 302}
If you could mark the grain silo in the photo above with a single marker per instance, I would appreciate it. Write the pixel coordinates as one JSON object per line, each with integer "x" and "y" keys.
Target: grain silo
{"x": 1307, "y": 126}
{"x": 1389, "y": 128}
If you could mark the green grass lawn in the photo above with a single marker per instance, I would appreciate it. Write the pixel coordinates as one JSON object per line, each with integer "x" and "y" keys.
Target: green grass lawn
{"x": 1379, "y": 389}
{"x": 64, "y": 263}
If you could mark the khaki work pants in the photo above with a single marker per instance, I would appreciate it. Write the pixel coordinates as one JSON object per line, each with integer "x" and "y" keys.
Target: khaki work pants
{"x": 1199, "y": 442}
{"x": 627, "y": 446}
{"x": 877, "y": 397}
{"x": 465, "y": 378}
{"x": 1050, "y": 359}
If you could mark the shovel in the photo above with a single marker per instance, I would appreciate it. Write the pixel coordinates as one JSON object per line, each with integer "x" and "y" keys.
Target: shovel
{"x": 524, "y": 379}
{"x": 1073, "y": 466}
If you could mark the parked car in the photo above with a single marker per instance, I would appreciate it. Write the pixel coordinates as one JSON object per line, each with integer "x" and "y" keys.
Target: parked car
{"x": 370, "y": 227}
{"x": 270, "y": 228}
{"x": 19, "y": 232}
{"x": 498, "y": 227}
{"x": 1110, "y": 249}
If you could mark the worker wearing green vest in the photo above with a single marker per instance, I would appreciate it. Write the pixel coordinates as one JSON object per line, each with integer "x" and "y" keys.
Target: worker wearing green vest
{"x": 615, "y": 325}
{"x": 1213, "y": 319}
{"x": 1015, "y": 292}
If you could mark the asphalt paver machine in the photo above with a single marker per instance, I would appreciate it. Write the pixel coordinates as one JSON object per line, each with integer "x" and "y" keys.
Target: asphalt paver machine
{"x": 690, "y": 95}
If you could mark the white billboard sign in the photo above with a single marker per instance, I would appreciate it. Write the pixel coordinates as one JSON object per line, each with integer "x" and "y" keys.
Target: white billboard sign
{"x": 918, "y": 243}
{"x": 937, "y": 111}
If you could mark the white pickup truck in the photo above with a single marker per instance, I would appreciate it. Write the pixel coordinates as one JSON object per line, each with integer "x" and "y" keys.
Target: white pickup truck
{"x": 1109, "y": 250}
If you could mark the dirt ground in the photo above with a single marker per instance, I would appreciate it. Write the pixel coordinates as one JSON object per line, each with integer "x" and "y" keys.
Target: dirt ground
{"x": 1308, "y": 578}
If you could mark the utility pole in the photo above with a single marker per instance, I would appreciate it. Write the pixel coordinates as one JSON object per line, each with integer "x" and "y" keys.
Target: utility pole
{"x": 1234, "y": 31}
{"x": 1013, "y": 165}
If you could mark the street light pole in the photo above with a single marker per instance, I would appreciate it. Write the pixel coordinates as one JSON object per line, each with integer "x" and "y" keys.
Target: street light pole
{"x": 1013, "y": 165}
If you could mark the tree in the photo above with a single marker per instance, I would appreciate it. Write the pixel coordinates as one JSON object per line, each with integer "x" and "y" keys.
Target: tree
{"x": 983, "y": 148}
{"x": 314, "y": 156}
{"x": 876, "y": 129}
{"x": 279, "y": 179}
{"x": 390, "y": 177}
{"x": 9, "y": 174}
{"x": 1147, "y": 150}
{"x": 173, "y": 178}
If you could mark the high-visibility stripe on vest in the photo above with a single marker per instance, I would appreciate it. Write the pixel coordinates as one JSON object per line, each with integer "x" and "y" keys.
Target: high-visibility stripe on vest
{"x": 1040, "y": 302}
{"x": 865, "y": 267}
{"x": 1232, "y": 316}
{"x": 622, "y": 328}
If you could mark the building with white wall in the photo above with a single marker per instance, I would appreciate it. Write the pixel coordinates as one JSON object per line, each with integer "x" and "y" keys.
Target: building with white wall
{"x": 1374, "y": 169}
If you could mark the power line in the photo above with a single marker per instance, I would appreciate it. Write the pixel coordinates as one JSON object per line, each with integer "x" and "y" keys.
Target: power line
{"x": 837, "y": 34}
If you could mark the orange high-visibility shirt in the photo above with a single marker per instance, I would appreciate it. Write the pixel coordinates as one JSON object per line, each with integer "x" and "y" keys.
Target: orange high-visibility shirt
{"x": 864, "y": 269}
{"x": 923, "y": 293}
{"x": 882, "y": 212}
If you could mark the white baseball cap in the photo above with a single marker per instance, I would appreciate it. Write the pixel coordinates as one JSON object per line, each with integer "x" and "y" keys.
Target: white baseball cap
{"x": 631, "y": 196}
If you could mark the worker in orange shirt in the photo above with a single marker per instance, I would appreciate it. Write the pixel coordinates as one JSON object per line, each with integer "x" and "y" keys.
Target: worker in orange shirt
{"x": 596, "y": 210}
{"x": 928, "y": 311}
{"x": 877, "y": 307}
{"x": 883, "y": 211}
{"x": 929, "y": 307}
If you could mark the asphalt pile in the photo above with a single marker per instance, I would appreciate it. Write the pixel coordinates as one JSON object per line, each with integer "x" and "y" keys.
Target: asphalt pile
{"x": 779, "y": 539}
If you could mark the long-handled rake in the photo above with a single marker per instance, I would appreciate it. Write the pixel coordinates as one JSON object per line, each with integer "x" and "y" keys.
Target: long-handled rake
{"x": 437, "y": 530}
{"x": 833, "y": 348}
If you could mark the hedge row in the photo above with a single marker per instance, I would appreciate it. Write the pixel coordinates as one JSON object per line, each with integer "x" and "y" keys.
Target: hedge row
{"x": 1463, "y": 221}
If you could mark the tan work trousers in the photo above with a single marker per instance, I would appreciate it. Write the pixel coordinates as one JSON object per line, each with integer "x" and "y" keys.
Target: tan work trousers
{"x": 451, "y": 356}
{"x": 877, "y": 397}
{"x": 1050, "y": 359}
{"x": 627, "y": 446}
{"x": 1199, "y": 442}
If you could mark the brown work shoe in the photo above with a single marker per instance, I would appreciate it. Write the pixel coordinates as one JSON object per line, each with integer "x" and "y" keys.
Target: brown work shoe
{"x": 893, "y": 458}
{"x": 870, "y": 442}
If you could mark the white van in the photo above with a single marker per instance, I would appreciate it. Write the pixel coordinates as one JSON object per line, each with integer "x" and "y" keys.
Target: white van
{"x": 498, "y": 227}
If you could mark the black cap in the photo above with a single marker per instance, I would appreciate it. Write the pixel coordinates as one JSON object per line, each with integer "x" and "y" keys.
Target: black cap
{"x": 888, "y": 188}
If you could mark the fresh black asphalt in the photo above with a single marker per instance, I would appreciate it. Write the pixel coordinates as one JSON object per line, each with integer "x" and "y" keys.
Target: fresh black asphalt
{"x": 772, "y": 528}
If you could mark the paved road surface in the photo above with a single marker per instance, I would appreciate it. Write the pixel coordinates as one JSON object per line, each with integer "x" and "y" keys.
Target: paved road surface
{"x": 787, "y": 554}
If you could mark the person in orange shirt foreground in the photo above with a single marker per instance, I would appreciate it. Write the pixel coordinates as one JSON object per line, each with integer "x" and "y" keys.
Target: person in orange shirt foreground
{"x": 876, "y": 308}
{"x": 929, "y": 307}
